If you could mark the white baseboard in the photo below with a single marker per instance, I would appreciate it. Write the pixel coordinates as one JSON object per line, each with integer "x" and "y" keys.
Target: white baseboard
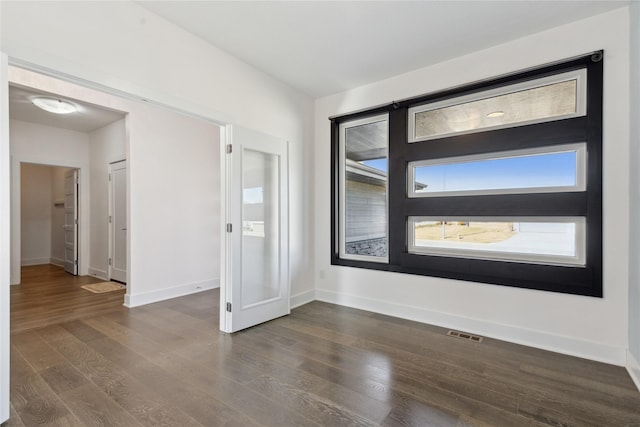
{"x": 57, "y": 261}
{"x": 34, "y": 261}
{"x": 532, "y": 338}
{"x": 100, "y": 274}
{"x": 633, "y": 366}
{"x": 302, "y": 298}
{"x": 136, "y": 300}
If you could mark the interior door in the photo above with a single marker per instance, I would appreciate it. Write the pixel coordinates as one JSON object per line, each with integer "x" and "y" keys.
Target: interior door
{"x": 71, "y": 222}
{"x": 118, "y": 221}
{"x": 257, "y": 231}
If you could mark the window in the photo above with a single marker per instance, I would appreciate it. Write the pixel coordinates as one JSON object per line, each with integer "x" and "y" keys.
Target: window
{"x": 363, "y": 176}
{"x": 536, "y": 101}
{"x": 557, "y": 241}
{"x": 496, "y": 182}
{"x": 546, "y": 169}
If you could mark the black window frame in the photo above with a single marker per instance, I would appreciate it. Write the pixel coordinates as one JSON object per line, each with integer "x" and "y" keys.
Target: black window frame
{"x": 580, "y": 280}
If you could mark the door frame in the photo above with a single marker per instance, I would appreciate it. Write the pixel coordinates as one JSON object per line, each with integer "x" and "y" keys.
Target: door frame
{"x": 111, "y": 211}
{"x": 5, "y": 232}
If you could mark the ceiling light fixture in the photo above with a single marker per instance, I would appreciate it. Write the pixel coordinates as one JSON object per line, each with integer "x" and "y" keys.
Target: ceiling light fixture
{"x": 495, "y": 114}
{"x": 54, "y": 105}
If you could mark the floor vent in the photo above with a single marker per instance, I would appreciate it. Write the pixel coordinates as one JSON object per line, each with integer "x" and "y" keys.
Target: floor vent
{"x": 465, "y": 336}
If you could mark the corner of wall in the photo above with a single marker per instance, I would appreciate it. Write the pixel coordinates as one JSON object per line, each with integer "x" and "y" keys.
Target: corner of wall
{"x": 302, "y": 298}
{"x": 100, "y": 274}
{"x": 633, "y": 367}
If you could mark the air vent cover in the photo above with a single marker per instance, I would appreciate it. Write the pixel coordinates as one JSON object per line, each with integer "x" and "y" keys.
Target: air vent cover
{"x": 465, "y": 336}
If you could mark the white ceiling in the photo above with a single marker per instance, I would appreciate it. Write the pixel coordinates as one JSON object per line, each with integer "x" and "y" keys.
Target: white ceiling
{"x": 324, "y": 47}
{"x": 88, "y": 118}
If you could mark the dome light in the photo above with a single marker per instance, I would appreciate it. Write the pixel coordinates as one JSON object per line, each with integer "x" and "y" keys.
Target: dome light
{"x": 495, "y": 114}
{"x": 54, "y": 105}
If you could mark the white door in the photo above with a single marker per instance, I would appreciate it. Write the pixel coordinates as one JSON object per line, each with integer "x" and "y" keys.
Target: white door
{"x": 118, "y": 221}
{"x": 71, "y": 222}
{"x": 256, "y": 287}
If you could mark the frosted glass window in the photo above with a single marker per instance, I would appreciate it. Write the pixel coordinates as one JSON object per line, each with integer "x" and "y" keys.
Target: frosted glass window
{"x": 260, "y": 232}
{"x": 537, "y": 101}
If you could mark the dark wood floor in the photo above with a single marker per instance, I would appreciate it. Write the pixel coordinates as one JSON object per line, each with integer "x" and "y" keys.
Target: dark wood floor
{"x": 48, "y": 295}
{"x": 166, "y": 364}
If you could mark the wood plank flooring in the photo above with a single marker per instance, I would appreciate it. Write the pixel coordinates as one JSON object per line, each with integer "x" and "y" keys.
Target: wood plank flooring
{"x": 49, "y": 295}
{"x": 166, "y": 364}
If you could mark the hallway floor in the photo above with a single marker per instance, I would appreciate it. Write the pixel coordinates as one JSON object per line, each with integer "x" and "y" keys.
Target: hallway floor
{"x": 47, "y": 295}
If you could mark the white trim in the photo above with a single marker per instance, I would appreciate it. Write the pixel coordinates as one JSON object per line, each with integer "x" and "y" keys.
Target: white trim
{"x": 5, "y": 241}
{"x": 100, "y": 274}
{"x": 581, "y": 171}
{"x": 581, "y": 103}
{"x": 342, "y": 184}
{"x": 633, "y": 367}
{"x": 144, "y": 298}
{"x": 226, "y": 243}
{"x": 450, "y": 249}
{"x": 35, "y": 261}
{"x": 532, "y": 338}
{"x": 59, "y": 262}
{"x": 303, "y": 298}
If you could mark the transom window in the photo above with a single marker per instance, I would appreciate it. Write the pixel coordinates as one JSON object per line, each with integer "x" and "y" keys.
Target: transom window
{"x": 496, "y": 182}
{"x": 534, "y": 101}
{"x": 546, "y": 169}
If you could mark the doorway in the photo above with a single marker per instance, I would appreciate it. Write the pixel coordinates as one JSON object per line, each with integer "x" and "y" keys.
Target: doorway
{"x": 86, "y": 142}
{"x": 49, "y": 216}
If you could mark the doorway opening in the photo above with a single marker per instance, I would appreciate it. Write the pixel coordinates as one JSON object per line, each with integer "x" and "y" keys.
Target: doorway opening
{"x": 71, "y": 155}
{"x": 49, "y": 216}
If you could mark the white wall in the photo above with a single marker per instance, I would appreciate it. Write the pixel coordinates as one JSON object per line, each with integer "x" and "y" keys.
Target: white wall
{"x": 633, "y": 360}
{"x": 106, "y": 145}
{"x": 589, "y": 327}
{"x": 173, "y": 166}
{"x": 154, "y": 59}
{"x": 36, "y": 201}
{"x": 47, "y": 145}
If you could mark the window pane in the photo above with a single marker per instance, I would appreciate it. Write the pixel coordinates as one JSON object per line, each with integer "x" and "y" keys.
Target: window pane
{"x": 511, "y": 239}
{"x": 520, "y": 104}
{"x": 507, "y": 172}
{"x": 260, "y": 227}
{"x": 364, "y": 172}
